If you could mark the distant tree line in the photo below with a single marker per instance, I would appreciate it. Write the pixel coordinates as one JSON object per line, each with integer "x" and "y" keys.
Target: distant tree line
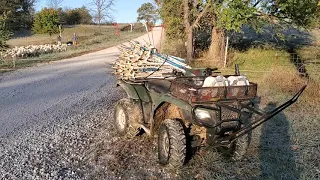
{"x": 75, "y": 16}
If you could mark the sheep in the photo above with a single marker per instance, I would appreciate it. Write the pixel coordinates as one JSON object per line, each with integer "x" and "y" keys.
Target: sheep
{"x": 33, "y": 50}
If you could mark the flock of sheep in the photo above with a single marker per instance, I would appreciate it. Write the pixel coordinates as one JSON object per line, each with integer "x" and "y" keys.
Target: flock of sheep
{"x": 32, "y": 50}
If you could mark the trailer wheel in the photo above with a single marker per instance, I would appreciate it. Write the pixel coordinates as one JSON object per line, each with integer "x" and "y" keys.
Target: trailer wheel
{"x": 172, "y": 143}
{"x": 123, "y": 118}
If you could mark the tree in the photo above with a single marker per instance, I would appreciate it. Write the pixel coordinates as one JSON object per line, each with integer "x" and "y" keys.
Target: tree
{"x": 191, "y": 17}
{"x": 227, "y": 15}
{"x": 148, "y": 13}
{"x": 85, "y": 17}
{"x": 46, "y": 21}
{"x": 55, "y": 4}
{"x": 4, "y": 33}
{"x": 19, "y": 13}
{"x": 75, "y": 16}
{"x": 102, "y": 10}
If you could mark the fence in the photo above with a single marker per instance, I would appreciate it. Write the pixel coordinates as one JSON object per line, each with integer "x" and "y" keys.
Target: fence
{"x": 305, "y": 67}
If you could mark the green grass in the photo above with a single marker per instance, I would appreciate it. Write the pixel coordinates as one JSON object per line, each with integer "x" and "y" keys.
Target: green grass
{"x": 310, "y": 56}
{"x": 91, "y": 39}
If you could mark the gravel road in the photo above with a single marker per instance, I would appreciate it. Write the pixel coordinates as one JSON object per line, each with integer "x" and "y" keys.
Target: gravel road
{"x": 56, "y": 121}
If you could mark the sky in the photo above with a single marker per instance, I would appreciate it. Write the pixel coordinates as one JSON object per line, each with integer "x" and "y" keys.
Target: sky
{"x": 125, "y": 10}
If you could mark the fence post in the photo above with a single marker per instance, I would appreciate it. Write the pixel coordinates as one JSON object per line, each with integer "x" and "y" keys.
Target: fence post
{"x": 14, "y": 62}
{"x": 226, "y": 52}
{"x": 275, "y": 62}
{"x": 117, "y": 29}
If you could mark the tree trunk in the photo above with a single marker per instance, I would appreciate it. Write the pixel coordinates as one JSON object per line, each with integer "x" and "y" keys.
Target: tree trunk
{"x": 189, "y": 45}
{"x": 188, "y": 30}
{"x": 216, "y": 52}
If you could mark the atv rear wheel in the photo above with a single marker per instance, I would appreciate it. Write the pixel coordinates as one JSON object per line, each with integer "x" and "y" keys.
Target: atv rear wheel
{"x": 123, "y": 118}
{"x": 172, "y": 144}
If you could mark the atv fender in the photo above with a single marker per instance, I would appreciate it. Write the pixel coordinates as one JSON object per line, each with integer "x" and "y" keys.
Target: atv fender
{"x": 135, "y": 91}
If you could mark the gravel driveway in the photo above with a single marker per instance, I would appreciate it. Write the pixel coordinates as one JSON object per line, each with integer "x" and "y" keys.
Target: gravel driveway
{"x": 56, "y": 121}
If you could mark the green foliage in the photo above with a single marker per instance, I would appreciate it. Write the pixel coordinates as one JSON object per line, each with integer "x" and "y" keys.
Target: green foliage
{"x": 4, "y": 33}
{"x": 21, "y": 13}
{"x": 233, "y": 15}
{"x": 148, "y": 13}
{"x": 316, "y": 20}
{"x": 78, "y": 16}
{"x": 171, "y": 13}
{"x": 73, "y": 17}
{"x": 46, "y": 21}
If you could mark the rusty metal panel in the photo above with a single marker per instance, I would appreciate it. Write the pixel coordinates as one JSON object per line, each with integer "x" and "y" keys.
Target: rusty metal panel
{"x": 185, "y": 90}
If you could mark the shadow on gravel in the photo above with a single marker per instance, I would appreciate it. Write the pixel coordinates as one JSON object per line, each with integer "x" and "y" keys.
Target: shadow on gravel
{"x": 277, "y": 158}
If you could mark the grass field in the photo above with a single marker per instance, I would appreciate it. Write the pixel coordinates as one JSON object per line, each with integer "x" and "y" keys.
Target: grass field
{"x": 90, "y": 38}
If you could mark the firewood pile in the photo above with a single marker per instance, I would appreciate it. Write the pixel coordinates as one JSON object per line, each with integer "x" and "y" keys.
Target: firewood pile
{"x": 142, "y": 61}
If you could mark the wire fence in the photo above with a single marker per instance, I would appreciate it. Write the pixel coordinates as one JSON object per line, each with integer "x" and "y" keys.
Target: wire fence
{"x": 306, "y": 67}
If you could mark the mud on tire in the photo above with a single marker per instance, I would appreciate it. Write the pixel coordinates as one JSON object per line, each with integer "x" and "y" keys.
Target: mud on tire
{"x": 126, "y": 116}
{"x": 240, "y": 147}
{"x": 172, "y": 143}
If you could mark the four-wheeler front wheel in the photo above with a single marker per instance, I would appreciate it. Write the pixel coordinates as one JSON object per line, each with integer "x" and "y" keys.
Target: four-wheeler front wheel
{"x": 123, "y": 118}
{"x": 172, "y": 143}
{"x": 239, "y": 148}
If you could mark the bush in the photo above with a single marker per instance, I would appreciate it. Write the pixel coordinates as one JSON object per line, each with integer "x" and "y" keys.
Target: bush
{"x": 76, "y": 16}
{"x": 46, "y": 21}
{"x": 4, "y": 36}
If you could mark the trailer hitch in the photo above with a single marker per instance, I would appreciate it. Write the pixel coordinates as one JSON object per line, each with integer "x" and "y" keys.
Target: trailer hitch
{"x": 263, "y": 117}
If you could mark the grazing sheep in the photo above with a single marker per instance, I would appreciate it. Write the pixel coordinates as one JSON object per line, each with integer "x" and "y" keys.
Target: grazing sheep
{"x": 33, "y": 50}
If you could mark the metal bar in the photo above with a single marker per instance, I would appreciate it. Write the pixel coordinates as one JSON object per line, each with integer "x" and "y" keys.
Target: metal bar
{"x": 231, "y": 108}
{"x": 266, "y": 117}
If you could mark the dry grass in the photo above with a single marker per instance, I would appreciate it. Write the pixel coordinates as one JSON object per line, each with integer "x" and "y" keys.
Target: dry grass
{"x": 91, "y": 39}
{"x": 175, "y": 48}
{"x": 84, "y": 32}
{"x": 310, "y": 56}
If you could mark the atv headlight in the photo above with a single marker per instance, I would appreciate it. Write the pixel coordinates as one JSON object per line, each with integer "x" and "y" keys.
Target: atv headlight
{"x": 202, "y": 114}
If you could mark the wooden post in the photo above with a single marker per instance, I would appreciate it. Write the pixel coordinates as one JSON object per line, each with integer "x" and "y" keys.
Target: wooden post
{"x": 162, "y": 28}
{"x": 14, "y": 62}
{"x": 226, "y": 52}
{"x": 60, "y": 30}
{"x": 131, "y": 27}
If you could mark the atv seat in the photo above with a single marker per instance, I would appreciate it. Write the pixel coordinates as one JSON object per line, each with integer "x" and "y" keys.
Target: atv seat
{"x": 159, "y": 86}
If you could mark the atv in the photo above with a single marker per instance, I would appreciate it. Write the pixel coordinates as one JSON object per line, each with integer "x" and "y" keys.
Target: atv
{"x": 184, "y": 115}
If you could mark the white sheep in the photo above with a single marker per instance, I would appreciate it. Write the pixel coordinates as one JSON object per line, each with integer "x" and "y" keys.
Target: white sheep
{"x": 33, "y": 50}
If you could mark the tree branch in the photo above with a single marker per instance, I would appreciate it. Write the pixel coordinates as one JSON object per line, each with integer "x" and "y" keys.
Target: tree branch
{"x": 257, "y": 3}
{"x": 186, "y": 14}
{"x": 203, "y": 12}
